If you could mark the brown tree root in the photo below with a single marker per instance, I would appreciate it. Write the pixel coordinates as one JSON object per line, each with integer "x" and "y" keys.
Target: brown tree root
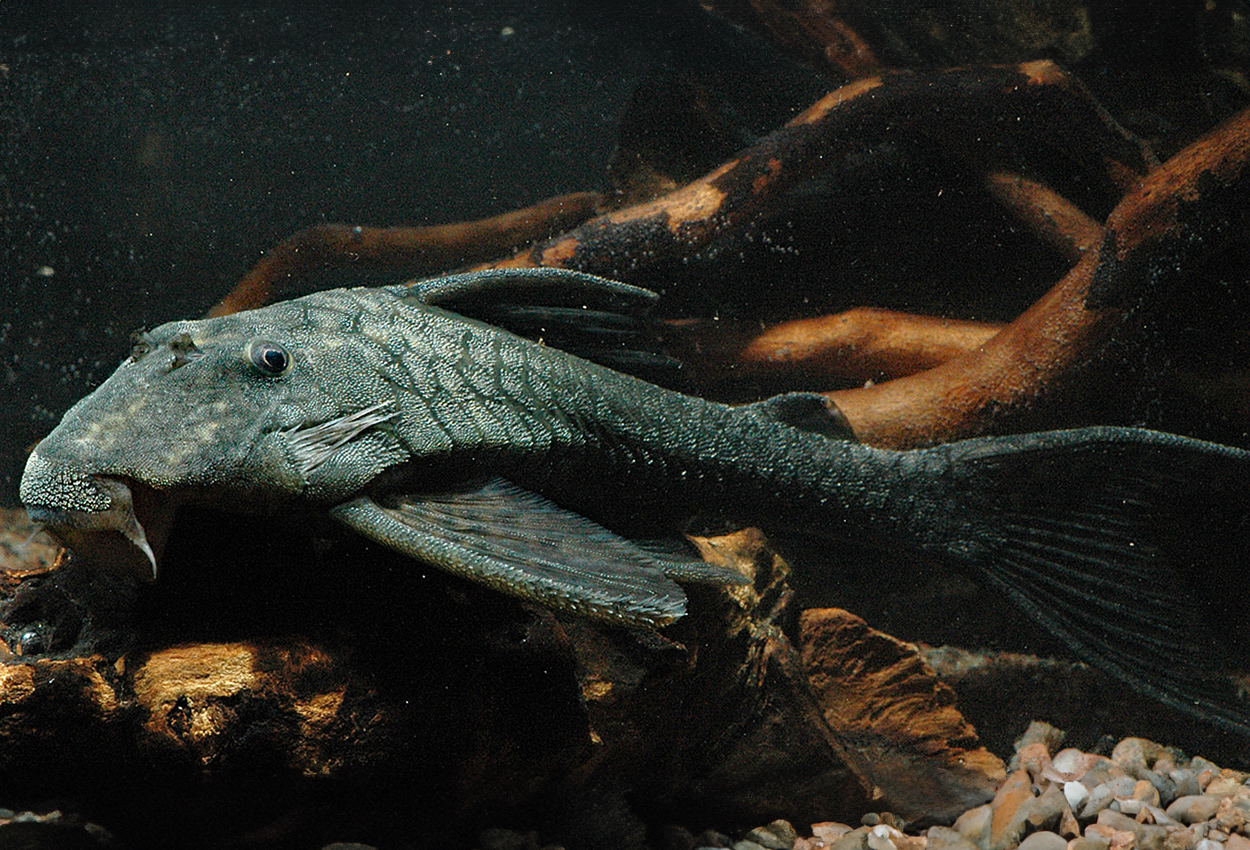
{"x": 1186, "y": 208}
{"x": 623, "y": 243}
{"x": 414, "y": 249}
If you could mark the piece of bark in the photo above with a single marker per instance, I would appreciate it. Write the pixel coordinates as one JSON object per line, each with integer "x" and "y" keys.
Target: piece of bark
{"x": 413, "y": 249}
{"x": 899, "y": 719}
{"x": 470, "y": 707}
{"x": 1185, "y": 209}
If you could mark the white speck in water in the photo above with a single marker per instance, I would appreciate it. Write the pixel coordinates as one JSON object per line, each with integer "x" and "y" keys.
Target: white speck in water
{"x": 45, "y": 271}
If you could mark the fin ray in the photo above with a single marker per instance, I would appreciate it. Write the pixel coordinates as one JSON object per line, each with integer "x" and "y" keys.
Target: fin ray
{"x": 1121, "y": 543}
{"x": 521, "y": 543}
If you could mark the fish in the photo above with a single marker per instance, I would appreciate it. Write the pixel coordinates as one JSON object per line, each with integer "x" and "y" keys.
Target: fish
{"x": 415, "y": 416}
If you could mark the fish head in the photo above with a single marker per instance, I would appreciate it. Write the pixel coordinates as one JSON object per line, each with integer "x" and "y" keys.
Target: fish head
{"x": 247, "y": 413}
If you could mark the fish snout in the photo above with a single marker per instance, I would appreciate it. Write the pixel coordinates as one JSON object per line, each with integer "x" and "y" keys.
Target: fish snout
{"x": 94, "y": 515}
{"x": 51, "y": 486}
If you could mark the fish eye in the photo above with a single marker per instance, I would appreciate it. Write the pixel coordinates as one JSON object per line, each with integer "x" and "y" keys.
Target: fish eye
{"x": 270, "y": 358}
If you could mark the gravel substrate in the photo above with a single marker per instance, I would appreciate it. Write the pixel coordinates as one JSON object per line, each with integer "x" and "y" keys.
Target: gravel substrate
{"x": 1144, "y": 796}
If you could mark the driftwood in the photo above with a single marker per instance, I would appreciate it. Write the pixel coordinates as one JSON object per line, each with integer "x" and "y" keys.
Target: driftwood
{"x": 1160, "y": 231}
{"x": 400, "y": 692}
{"x": 958, "y": 379}
{"x": 1052, "y": 111}
{"x": 412, "y": 248}
{"x": 854, "y": 347}
{"x": 621, "y": 243}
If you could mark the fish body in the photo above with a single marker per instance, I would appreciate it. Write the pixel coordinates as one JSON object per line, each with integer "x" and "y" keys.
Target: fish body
{"x": 532, "y": 470}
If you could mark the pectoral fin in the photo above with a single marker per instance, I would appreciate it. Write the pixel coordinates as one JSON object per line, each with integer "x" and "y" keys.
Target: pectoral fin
{"x": 523, "y": 544}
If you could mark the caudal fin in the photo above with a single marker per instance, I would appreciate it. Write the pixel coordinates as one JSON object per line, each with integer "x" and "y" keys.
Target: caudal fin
{"x": 1131, "y": 546}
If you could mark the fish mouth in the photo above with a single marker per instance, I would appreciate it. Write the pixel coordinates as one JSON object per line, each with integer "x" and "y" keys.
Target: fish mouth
{"x": 128, "y": 536}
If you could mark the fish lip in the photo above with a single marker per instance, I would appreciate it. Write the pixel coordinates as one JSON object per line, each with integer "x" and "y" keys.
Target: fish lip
{"x": 141, "y": 515}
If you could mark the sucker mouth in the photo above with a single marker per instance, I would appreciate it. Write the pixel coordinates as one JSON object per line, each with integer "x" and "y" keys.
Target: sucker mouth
{"x": 139, "y": 514}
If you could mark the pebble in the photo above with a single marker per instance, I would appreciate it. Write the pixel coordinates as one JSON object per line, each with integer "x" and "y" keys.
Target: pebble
{"x": 882, "y": 837}
{"x": 778, "y": 835}
{"x": 856, "y": 839}
{"x": 1147, "y": 836}
{"x": 1145, "y": 797}
{"x": 1102, "y": 771}
{"x": 1186, "y": 781}
{"x": 945, "y": 838}
{"x": 1035, "y": 758}
{"x": 1146, "y": 792}
{"x": 1091, "y": 842}
{"x": 1101, "y": 796}
{"x": 1072, "y": 762}
{"x": 1237, "y": 842}
{"x": 1046, "y": 811}
{"x": 1009, "y": 812}
{"x": 1136, "y": 755}
{"x": 1194, "y": 808}
{"x": 830, "y": 831}
{"x": 1163, "y": 785}
{"x": 1069, "y": 828}
{"x": 1198, "y": 764}
{"x": 1044, "y": 841}
{"x": 974, "y": 825}
{"x": 1075, "y": 793}
{"x": 1223, "y": 785}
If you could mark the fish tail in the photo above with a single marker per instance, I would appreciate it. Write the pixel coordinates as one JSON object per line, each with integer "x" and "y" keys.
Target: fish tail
{"x": 1130, "y": 546}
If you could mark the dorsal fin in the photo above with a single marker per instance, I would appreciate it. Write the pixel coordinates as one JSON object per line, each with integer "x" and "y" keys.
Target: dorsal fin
{"x": 602, "y": 320}
{"x": 464, "y": 292}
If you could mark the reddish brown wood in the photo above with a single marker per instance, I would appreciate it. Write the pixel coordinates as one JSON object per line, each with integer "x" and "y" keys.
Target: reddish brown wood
{"x": 1187, "y": 207}
{"x": 412, "y": 249}
{"x": 908, "y": 739}
{"x": 1048, "y": 214}
{"x": 624, "y": 242}
{"x": 864, "y": 344}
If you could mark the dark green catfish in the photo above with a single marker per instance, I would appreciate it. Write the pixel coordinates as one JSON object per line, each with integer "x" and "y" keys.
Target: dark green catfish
{"x": 532, "y": 470}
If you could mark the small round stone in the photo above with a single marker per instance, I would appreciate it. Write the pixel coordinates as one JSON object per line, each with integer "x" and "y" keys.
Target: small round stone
{"x": 1044, "y": 841}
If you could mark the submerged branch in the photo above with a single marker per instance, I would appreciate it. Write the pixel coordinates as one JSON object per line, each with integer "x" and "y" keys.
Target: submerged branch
{"x": 413, "y": 249}
{"x": 1181, "y": 211}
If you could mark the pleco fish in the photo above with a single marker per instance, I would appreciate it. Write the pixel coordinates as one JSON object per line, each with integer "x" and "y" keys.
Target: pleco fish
{"x": 529, "y": 469}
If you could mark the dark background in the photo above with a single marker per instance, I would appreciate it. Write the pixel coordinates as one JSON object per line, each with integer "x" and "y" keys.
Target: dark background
{"x": 148, "y": 157}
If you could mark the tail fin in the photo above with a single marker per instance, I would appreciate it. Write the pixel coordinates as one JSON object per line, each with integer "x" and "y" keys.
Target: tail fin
{"x": 1131, "y": 546}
